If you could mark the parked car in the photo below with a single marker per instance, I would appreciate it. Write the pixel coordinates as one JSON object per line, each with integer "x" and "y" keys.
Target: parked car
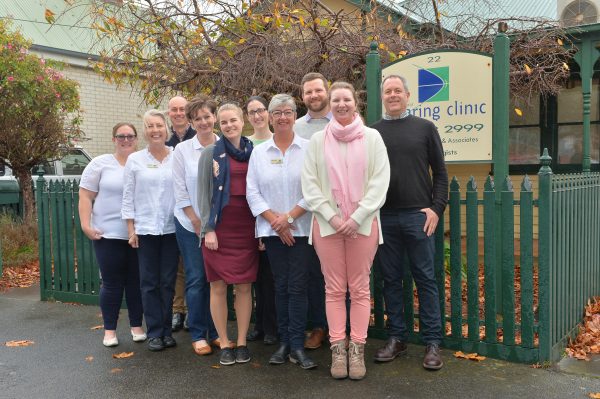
{"x": 68, "y": 167}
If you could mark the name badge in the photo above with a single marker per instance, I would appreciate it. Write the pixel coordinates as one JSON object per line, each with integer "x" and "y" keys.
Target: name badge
{"x": 152, "y": 166}
{"x": 277, "y": 161}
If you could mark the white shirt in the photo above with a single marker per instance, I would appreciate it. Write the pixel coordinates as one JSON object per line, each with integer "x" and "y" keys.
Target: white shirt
{"x": 148, "y": 193}
{"x": 274, "y": 182}
{"x": 104, "y": 176}
{"x": 185, "y": 179}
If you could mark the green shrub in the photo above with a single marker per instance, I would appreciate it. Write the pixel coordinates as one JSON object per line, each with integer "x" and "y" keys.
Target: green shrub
{"x": 19, "y": 240}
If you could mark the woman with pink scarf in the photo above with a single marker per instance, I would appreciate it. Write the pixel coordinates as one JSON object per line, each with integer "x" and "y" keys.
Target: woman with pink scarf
{"x": 344, "y": 182}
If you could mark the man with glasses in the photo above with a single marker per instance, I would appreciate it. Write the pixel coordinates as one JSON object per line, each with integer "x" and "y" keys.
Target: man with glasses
{"x": 181, "y": 130}
{"x": 314, "y": 94}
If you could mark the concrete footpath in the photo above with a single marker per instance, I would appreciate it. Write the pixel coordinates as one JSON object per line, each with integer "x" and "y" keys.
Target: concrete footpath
{"x": 69, "y": 361}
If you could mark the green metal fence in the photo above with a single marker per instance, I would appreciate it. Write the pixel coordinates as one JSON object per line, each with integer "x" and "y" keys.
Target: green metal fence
{"x": 482, "y": 311}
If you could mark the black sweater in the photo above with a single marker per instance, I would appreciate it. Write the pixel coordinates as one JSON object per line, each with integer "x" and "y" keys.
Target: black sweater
{"x": 414, "y": 146}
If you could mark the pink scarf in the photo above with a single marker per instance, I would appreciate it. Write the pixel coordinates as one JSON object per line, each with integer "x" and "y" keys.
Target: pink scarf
{"x": 346, "y": 174}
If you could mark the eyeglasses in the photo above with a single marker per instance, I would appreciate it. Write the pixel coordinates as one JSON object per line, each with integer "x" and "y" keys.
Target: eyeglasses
{"x": 128, "y": 137}
{"x": 288, "y": 113}
{"x": 256, "y": 111}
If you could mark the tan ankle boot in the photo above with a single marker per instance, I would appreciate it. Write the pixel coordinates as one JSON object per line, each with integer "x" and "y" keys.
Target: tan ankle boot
{"x": 339, "y": 360}
{"x": 356, "y": 355}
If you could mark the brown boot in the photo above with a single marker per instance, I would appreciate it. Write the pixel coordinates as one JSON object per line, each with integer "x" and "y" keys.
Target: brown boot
{"x": 339, "y": 360}
{"x": 356, "y": 355}
{"x": 315, "y": 339}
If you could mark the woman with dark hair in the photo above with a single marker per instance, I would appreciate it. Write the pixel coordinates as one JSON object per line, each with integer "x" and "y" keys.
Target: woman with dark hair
{"x": 345, "y": 179}
{"x": 201, "y": 113}
{"x": 148, "y": 204}
{"x": 229, "y": 248}
{"x": 265, "y": 319}
{"x": 100, "y": 197}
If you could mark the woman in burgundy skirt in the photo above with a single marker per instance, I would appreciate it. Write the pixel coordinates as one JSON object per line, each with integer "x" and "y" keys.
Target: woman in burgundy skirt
{"x": 229, "y": 248}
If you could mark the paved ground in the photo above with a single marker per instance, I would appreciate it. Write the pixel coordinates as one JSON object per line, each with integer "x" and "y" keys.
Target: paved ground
{"x": 56, "y": 367}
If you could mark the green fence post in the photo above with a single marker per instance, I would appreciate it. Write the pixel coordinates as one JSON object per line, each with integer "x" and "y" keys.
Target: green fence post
{"x": 544, "y": 256}
{"x": 42, "y": 236}
{"x": 501, "y": 69}
{"x": 373, "y": 83}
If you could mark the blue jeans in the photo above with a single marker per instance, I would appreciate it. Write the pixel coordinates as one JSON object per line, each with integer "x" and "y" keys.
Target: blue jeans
{"x": 118, "y": 264}
{"x": 158, "y": 257}
{"x": 290, "y": 271}
{"x": 197, "y": 289}
{"x": 316, "y": 291}
{"x": 403, "y": 233}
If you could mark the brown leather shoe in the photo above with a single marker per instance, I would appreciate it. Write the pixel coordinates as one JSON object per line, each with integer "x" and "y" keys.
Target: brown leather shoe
{"x": 391, "y": 350}
{"x": 201, "y": 350}
{"x": 432, "y": 359}
{"x": 315, "y": 339}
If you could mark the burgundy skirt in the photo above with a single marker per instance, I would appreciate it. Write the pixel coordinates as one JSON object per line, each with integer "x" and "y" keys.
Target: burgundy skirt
{"x": 236, "y": 260}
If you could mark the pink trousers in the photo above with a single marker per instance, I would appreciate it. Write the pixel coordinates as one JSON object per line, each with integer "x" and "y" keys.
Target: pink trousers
{"x": 346, "y": 265}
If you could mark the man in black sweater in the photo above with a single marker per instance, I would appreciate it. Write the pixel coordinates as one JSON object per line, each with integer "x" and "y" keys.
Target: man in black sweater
{"x": 415, "y": 200}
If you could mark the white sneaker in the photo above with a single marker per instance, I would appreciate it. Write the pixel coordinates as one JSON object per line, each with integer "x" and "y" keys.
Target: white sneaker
{"x": 110, "y": 341}
{"x": 138, "y": 337}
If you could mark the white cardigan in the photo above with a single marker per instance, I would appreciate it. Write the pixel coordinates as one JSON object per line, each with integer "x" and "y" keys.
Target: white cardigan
{"x": 316, "y": 187}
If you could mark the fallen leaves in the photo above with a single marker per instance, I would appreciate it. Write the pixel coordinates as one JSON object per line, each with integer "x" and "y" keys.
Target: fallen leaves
{"x": 595, "y": 395}
{"x": 122, "y": 355}
{"x": 115, "y": 370}
{"x": 23, "y": 276}
{"x": 215, "y": 366}
{"x": 588, "y": 340}
{"x": 89, "y": 359}
{"x": 469, "y": 356}
{"x": 96, "y": 327}
{"x": 23, "y": 342}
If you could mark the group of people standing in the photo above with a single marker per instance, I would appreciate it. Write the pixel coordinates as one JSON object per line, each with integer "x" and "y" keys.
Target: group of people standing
{"x": 300, "y": 211}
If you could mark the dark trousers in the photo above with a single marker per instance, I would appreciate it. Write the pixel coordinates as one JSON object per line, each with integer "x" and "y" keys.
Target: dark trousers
{"x": 197, "y": 289}
{"x": 290, "y": 271}
{"x": 403, "y": 233}
{"x": 158, "y": 256}
{"x": 316, "y": 291}
{"x": 264, "y": 291}
{"x": 118, "y": 264}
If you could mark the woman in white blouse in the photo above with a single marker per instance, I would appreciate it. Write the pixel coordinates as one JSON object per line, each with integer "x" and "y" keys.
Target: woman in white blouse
{"x": 100, "y": 197}
{"x": 148, "y": 204}
{"x": 200, "y": 112}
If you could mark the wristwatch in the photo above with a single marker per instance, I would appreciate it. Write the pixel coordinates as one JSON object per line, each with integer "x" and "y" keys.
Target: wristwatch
{"x": 290, "y": 219}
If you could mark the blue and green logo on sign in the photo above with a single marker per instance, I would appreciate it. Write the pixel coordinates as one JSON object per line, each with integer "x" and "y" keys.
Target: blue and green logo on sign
{"x": 434, "y": 84}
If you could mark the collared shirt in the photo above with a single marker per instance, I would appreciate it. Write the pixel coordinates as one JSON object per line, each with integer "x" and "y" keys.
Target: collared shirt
{"x": 274, "y": 182}
{"x": 148, "y": 193}
{"x": 392, "y": 118}
{"x": 174, "y": 140}
{"x": 185, "y": 179}
{"x": 306, "y": 125}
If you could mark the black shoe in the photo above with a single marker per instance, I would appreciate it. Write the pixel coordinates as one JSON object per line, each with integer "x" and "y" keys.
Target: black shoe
{"x": 169, "y": 341}
{"x": 227, "y": 357}
{"x": 185, "y": 324}
{"x": 269, "y": 339}
{"x": 254, "y": 335}
{"x": 392, "y": 349}
{"x": 300, "y": 358}
{"x": 156, "y": 344}
{"x": 242, "y": 354}
{"x": 432, "y": 359}
{"x": 177, "y": 322}
{"x": 280, "y": 355}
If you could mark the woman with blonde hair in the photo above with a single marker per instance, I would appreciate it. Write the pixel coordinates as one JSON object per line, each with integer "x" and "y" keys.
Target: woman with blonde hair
{"x": 344, "y": 181}
{"x": 229, "y": 248}
{"x": 148, "y": 204}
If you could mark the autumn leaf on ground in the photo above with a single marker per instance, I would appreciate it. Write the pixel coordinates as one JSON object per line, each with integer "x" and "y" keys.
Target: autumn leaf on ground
{"x": 122, "y": 355}
{"x": 255, "y": 365}
{"x": 469, "y": 356}
{"x": 518, "y": 112}
{"x": 96, "y": 327}
{"x": 115, "y": 370}
{"x": 528, "y": 69}
{"x": 588, "y": 338}
{"x": 89, "y": 359}
{"x": 215, "y": 366}
{"x": 536, "y": 366}
{"x": 23, "y": 342}
{"x": 595, "y": 395}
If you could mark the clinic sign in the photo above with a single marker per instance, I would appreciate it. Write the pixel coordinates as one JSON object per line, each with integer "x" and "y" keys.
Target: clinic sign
{"x": 453, "y": 89}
